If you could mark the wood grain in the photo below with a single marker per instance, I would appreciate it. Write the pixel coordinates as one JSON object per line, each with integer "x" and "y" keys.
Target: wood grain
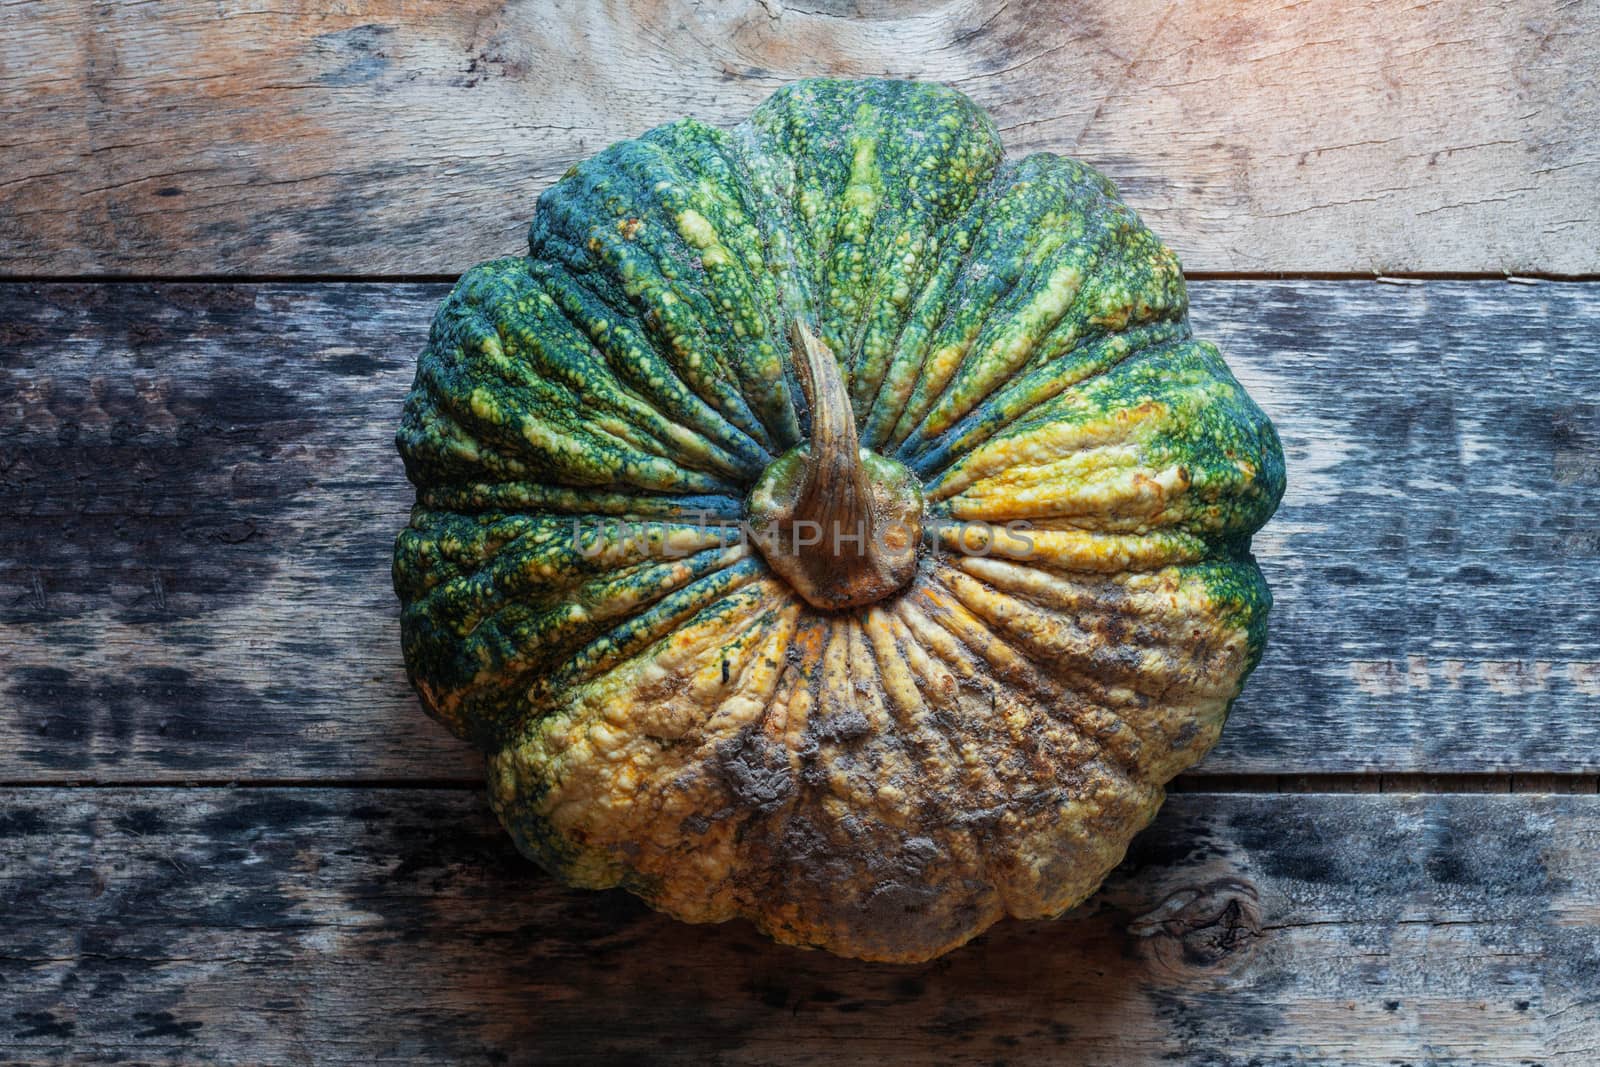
{"x": 411, "y": 136}
{"x": 199, "y": 492}
{"x": 377, "y": 926}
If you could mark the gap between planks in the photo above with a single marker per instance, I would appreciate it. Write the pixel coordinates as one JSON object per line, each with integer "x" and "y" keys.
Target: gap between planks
{"x": 1245, "y": 784}
{"x": 1523, "y": 277}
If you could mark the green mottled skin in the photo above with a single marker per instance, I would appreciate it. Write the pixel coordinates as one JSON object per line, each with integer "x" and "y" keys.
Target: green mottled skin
{"x": 1013, "y": 335}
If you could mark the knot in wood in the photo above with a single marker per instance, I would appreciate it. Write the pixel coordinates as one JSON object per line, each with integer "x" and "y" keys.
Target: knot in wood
{"x": 1211, "y": 928}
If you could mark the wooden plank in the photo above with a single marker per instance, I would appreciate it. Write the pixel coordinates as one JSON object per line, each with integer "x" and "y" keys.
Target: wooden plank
{"x": 398, "y": 136}
{"x": 199, "y": 493}
{"x": 1436, "y": 563}
{"x": 201, "y": 496}
{"x": 375, "y": 926}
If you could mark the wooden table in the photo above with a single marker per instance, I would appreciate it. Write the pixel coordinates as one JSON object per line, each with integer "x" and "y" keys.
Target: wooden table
{"x": 227, "y": 832}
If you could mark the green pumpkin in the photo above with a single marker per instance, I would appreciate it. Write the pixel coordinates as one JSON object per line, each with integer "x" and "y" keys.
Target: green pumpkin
{"x": 849, "y": 315}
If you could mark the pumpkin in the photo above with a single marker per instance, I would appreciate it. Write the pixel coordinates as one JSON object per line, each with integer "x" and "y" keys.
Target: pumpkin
{"x": 831, "y": 523}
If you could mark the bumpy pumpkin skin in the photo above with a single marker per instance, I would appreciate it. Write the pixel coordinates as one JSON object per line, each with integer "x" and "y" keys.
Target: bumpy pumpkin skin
{"x": 661, "y": 711}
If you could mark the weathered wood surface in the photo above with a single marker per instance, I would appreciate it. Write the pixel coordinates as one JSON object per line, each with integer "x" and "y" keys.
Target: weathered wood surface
{"x": 398, "y": 136}
{"x": 199, "y": 493}
{"x": 375, "y": 926}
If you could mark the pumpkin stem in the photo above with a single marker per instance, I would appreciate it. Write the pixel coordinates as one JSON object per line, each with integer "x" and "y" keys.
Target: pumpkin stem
{"x": 840, "y": 523}
{"x": 835, "y": 493}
